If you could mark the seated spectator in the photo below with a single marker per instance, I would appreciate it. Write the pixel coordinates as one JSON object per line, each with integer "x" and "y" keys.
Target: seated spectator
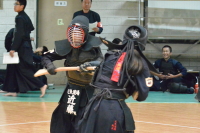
{"x": 37, "y": 56}
{"x": 117, "y": 41}
{"x": 9, "y": 67}
{"x": 8, "y": 39}
{"x": 172, "y": 73}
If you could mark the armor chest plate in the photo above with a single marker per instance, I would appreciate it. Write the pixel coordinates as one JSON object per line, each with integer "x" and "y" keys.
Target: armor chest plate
{"x": 167, "y": 67}
{"x": 78, "y": 57}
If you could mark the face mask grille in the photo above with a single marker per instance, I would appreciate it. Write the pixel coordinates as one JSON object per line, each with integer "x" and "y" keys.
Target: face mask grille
{"x": 75, "y": 35}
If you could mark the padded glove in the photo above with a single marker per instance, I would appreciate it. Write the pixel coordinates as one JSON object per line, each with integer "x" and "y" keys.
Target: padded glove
{"x": 51, "y": 68}
{"x": 84, "y": 66}
{"x": 87, "y": 64}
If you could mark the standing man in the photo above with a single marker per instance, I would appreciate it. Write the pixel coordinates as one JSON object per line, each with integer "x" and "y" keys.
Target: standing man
{"x": 91, "y": 15}
{"x": 23, "y": 79}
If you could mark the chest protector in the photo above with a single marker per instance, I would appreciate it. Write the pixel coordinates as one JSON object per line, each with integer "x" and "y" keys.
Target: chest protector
{"x": 167, "y": 67}
{"x": 90, "y": 51}
{"x": 77, "y": 57}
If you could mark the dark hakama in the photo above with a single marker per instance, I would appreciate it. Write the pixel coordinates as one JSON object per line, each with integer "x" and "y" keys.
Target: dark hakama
{"x": 63, "y": 122}
{"x": 108, "y": 118}
{"x": 19, "y": 77}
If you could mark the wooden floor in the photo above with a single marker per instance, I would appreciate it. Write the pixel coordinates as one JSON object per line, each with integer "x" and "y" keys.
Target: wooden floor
{"x": 34, "y": 117}
{"x": 166, "y": 117}
{"x": 25, "y": 117}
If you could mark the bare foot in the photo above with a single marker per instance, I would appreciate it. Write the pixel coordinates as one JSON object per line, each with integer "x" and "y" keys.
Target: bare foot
{"x": 43, "y": 90}
{"x": 11, "y": 94}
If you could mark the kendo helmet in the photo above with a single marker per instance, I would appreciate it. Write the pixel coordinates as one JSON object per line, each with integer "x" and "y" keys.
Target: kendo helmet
{"x": 77, "y": 31}
{"x": 133, "y": 33}
{"x": 136, "y": 33}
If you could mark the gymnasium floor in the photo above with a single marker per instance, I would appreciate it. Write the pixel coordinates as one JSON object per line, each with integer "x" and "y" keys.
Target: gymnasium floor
{"x": 160, "y": 113}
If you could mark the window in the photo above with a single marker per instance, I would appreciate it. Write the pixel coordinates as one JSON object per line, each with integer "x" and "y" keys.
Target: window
{"x": 174, "y": 20}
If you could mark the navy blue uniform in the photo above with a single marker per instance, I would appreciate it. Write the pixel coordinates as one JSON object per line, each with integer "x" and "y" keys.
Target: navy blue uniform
{"x": 172, "y": 66}
{"x": 68, "y": 112}
{"x": 93, "y": 17}
{"x": 176, "y": 66}
{"x": 123, "y": 73}
{"x": 22, "y": 79}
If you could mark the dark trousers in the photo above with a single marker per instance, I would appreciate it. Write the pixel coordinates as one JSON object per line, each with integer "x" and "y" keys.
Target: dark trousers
{"x": 164, "y": 83}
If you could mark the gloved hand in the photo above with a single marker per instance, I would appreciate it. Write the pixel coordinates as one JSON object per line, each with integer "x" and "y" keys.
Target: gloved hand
{"x": 84, "y": 66}
{"x": 51, "y": 68}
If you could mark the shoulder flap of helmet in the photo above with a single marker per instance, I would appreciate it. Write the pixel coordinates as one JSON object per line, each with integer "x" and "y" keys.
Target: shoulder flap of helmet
{"x": 92, "y": 42}
{"x": 62, "y": 47}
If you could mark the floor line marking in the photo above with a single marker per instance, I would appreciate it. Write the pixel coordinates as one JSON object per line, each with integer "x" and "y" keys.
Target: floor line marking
{"x": 135, "y": 121}
{"x": 23, "y": 123}
{"x": 167, "y": 124}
